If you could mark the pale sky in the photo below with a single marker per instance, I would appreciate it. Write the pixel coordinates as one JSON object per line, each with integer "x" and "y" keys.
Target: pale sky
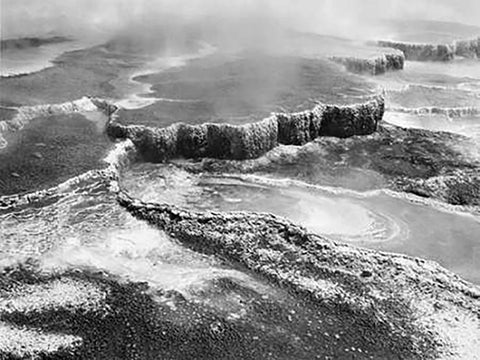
{"x": 38, "y": 17}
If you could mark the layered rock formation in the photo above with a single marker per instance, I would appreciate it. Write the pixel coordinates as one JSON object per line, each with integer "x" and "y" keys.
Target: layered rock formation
{"x": 373, "y": 66}
{"x": 435, "y": 110}
{"x": 421, "y": 52}
{"x": 398, "y": 158}
{"x": 225, "y": 141}
{"x": 469, "y": 48}
{"x": 420, "y": 303}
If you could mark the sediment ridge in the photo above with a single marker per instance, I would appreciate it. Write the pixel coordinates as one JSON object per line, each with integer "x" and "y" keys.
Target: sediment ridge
{"x": 451, "y": 112}
{"x": 117, "y": 158}
{"x": 237, "y": 142}
{"x": 419, "y": 307}
{"x": 417, "y": 300}
{"x": 24, "y": 114}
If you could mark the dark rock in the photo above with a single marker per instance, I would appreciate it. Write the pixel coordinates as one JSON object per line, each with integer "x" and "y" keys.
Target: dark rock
{"x": 422, "y": 52}
{"x": 372, "y": 66}
{"x": 468, "y": 48}
{"x": 328, "y": 273}
{"x": 366, "y": 273}
{"x": 225, "y": 141}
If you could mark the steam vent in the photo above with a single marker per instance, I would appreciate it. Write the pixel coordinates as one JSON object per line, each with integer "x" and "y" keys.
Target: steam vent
{"x": 227, "y": 183}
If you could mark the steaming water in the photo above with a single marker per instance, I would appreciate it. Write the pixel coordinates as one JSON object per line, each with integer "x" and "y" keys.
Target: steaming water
{"x": 83, "y": 227}
{"x": 467, "y": 126}
{"x": 86, "y": 229}
{"x": 371, "y": 219}
{"x": 435, "y": 96}
{"x": 138, "y": 92}
{"x": 33, "y": 59}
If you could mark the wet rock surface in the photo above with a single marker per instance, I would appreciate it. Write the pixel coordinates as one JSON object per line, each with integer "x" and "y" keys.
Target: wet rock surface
{"x": 422, "y": 162}
{"x": 375, "y": 288}
{"x": 469, "y": 48}
{"x": 72, "y": 145}
{"x": 250, "y": 140}
{"x": 324, "y": 300}
{"x": 374, "y": 66}
{"x": 422, "y": 52}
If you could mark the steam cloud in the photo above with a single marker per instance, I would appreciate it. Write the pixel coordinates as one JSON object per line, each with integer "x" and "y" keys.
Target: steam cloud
{"x": 94, "y": 18}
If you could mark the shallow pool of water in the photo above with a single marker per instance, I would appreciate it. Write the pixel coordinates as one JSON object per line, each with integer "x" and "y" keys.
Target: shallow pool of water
{"x": 32, "y": 59}
{"x": 373, "y": 219}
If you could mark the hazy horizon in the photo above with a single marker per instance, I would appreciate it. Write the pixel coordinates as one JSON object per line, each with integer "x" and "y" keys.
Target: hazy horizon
{"x": 105, "y": 18}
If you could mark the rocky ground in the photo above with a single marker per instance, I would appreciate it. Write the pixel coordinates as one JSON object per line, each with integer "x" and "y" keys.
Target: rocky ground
{"x": 51, "y": 149}
{"x": 409, "y": 298}
{"x": 326, "y": 299}
{"x": 425, "y": 163}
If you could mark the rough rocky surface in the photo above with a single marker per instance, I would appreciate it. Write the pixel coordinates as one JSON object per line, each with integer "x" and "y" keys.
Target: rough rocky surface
{"x": 469, "y": 48}
{"x": 422, "y": 52}
{"x": 412, "y": 306}
{"x": 224, "y": 141}
{"x": 24, "y": 114}
{"x": 428, "y": 164}
{"x": 97, "y": 316}
{"x": 373, "y": 66}
{"x": 450, "y": 112}
{"x": 42, "y": 146}
{"x": 349, "y": 302}
{"x": 421, "y": 162}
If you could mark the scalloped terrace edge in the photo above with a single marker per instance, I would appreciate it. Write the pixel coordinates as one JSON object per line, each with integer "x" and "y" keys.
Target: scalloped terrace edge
{"x": 423, "y": 305}
{"x": 469, "y": 48}
{"x": 248, "y": 141}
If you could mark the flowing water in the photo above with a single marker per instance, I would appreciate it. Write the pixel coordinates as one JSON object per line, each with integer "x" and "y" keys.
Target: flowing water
{"x": 81, "y": 226}
{"x": 373, "y": 219}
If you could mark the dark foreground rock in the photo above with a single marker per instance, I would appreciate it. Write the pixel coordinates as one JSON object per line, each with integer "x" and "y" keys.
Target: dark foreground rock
{"x": 84, "y": 315}
{"x": 417, "y": 303}
{"x": 225, "y": 141}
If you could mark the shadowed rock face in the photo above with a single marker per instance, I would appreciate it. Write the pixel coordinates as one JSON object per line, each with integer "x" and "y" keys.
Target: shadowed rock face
{"x": 422, "y": 52}
{"x": 387, "y": 291}
{"x": 374, "y": 66}
{"x": 468, "y": 48}
{"x": 425, "y": 163}
{"x": 225, "y": 141}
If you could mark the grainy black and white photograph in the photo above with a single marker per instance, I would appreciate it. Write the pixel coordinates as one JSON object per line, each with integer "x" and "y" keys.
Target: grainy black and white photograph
{"x": 239, "y": 179}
